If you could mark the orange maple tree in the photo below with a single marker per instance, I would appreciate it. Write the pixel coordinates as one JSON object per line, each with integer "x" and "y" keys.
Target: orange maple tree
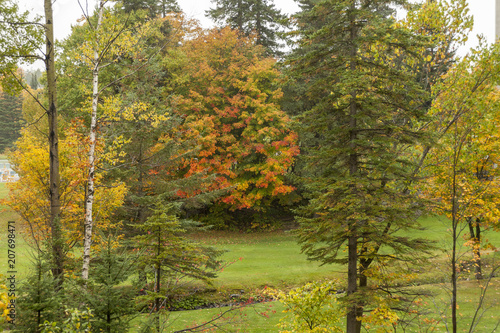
{"x": 229, "y": 98}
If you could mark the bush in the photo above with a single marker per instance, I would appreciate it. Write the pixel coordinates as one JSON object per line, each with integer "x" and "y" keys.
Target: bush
{"x": 77, "y": 322}
{"x": 311, "y": 308}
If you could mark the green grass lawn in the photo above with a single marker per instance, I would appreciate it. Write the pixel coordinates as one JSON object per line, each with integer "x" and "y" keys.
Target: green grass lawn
{"x": 22, "y": 250}
{"x": 3, "y": 191}
{"x": 256, "y": 318}
{"x": 273, "y": 259}
{"x": 264, "y": 317}
{"x": 264, "y": 259}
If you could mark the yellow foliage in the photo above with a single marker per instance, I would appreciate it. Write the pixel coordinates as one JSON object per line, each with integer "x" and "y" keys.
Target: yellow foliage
{"x": 463, "y": 177}
{"x": 382, "y": 318}
{"x": 4, "y": 300}
{"x": 312, "y": 308}
{"x": 29, "y": 197}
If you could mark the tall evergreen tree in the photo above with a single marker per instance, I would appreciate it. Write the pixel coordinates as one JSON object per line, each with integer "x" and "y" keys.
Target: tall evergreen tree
{"x": 153, "y": 7}
{"x": 251, "y": 16}
{"x": 363, "y": 105}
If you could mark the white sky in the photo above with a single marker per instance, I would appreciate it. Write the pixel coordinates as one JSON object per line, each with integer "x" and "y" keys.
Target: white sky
{"x": 66, "y": 12}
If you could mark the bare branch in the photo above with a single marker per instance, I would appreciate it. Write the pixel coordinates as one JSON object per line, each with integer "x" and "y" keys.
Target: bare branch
{"x": 25, "y": 88}
{"x": 26, "y": 56}
{"x": 210, "y": 322}
{"x": 23, "y": 23}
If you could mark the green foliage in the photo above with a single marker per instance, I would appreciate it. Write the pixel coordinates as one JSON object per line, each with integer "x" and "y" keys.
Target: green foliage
{"x": 188, "y": 303}
{"x": 169, "y": 257}
{"x": 357, "y": 132}
{"x": 110, "y": 301}
{"x": 276, "y": 215}
{"x": 366, "y": 103}
{"x": 154, "y": 8}
{"x": 39, "y": 300}
{"x": 10, "y": 120}
{"x": 77, "y": 322}
{"x": 258, "y": 17}
{"x": 19, "y": 43}
{"x": 313, "y": 307}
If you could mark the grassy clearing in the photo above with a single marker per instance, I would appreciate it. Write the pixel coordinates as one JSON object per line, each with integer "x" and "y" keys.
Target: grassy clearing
{"x": 264, "y": 317}
{"x": 256, "y": 318}
{"x": 469, "y": 292}
{"x": 273, "y": 259}
{"x": 21, "y": 249}
{"x": 3, "y": 191}
{"x": 264, "y": 259}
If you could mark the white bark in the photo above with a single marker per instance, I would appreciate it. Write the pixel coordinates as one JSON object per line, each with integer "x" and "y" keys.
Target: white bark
{"x": 89, "y": 200}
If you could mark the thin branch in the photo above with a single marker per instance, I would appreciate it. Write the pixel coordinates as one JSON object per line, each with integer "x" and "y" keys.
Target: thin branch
{"x": 85, "y": 12}
{"x": 210, "y": 322}
{"x": 25, "y": 88}
{"x": 138, "y": 68}
{"x": 23, "y": 23}
{"x": 481, "y": 300}
{"x": 26, "y": 56}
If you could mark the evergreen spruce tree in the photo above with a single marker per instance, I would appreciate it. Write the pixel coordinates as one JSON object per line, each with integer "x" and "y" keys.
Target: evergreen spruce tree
{"x": 170, "y": 257}
{"x": 111, "y": 304}
{"x": 362, "y": 106}
{"x": 153, "y": 7}
{"x": 251, "y": 16}
{"x": 38, "y": 301}
{"x": 10, "y": 120}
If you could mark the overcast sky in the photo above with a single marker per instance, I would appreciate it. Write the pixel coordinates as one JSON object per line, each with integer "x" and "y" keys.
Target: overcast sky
{"x": 66, "y": 13}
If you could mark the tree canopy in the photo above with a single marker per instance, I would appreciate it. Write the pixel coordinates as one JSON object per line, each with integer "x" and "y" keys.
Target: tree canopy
{"x": 259, "y": 17}
{"x": 365, "y": 125}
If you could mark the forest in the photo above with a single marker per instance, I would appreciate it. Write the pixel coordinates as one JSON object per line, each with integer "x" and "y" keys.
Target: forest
{"x": 333, "y": 170}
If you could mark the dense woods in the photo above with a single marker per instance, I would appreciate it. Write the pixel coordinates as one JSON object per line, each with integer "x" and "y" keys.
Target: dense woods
{"x": 340, "y": 123}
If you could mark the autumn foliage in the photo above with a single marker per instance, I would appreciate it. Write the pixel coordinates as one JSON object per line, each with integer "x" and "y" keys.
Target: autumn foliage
{"x": 29, "y": 196}
{"x": 230, "y": 106}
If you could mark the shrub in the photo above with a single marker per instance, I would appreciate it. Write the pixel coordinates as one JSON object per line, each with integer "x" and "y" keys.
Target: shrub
{"x": 311, "y": 308}
{"x": 77, "y": 322}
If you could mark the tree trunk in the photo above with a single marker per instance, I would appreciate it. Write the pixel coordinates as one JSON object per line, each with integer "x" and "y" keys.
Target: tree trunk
{"x": 475, "y": 236}
{"x": 353, "y": 325}
{"x": 89, "y": 200}
{"x": 158, "y": 280}
{"x": 454, "y": 221}
{"x": 54, "y": 179}
{"x": 239, "y": 20}
{"x": 258, "y": 23}
{"x": 140, "y": 214}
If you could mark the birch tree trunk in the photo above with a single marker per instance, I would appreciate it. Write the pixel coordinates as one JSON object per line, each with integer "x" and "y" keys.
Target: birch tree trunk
{"x": 89, "y": 201}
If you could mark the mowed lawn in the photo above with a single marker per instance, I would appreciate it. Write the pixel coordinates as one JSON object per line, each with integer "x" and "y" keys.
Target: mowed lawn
{"x": 22, "y": 258}
{"x": 273, "y": 259}
{"x": 267, "y": 259}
